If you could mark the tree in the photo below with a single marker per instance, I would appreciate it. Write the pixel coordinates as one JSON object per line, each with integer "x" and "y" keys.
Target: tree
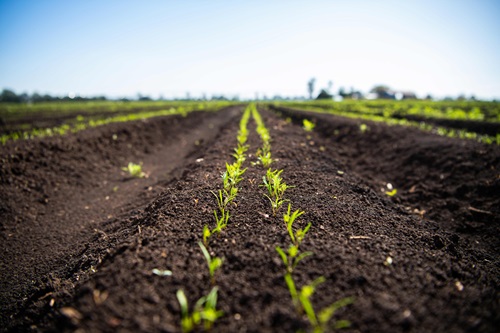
{"x": 8, "y": 96}
{"x": 342, "y": 92}
{"x": 310, "y": 87}
{"x": 324, "y": 95}
{"x": 382, "y": 91}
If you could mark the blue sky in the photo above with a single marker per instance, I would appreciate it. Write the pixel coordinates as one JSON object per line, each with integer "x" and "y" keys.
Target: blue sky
{"x": 169, "y": 48}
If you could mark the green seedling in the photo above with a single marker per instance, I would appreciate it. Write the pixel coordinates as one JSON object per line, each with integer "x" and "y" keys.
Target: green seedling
{"x": 392, "y": 193}
{"x": 302, "y": 302}
{"x": 275, "y": 188}
{"x": 292, "y": 257}
{"x": 206, "y": 234}
{"x": 264, "y": 157}
{"x": 364, "y": 128}
{"x": 204, "y": 310}
{"x": 239, "y": 154}
{"x": 134, "y": 170}
{"x": 320, "y": 321}
{"x": 232, "y": 176}
{"x": 308, "y": 125}
{"x": 222, "y": 200}
{"x": 221, "y": 221}
{"x": 289, "y": 219}
{"x": 213, "y": 263}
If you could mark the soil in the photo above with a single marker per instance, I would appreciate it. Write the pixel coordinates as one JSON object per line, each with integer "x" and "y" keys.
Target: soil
{"x": 80, "y": 239}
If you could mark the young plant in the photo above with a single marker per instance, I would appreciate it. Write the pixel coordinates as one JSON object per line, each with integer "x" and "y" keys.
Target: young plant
{"x": 232, "y": 176}
{"x": 222, "y": 200}
{"x": 221, "y": 220}
{"x": 239, "y": 154}
{"x": 213, "y": 263}
{"x": 206, "y": 234}
{"x": 204, "y": 310}
{"x": 308, "y": 125}
{"x": 134, "y": 170}
{"x": 292, "y": 257}
{"x": 275, "y": 188}
{"x": 264, "y": 156}
{"x": 289, "y": 219}
{"x": 302, "y": 302}
{"x": 320, "y": 321}
{"x": 364, "y": 128}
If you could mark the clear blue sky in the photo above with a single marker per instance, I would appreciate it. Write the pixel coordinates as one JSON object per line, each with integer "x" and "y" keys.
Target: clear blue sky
{"x": 121, "y": 48}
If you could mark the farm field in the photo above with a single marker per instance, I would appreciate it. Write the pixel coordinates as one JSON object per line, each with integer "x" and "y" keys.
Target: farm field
{"x": 399, "y": 223}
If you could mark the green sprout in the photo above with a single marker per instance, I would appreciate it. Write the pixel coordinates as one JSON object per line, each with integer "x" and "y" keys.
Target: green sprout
{"x": 221, "y": 220}
{"x": 134, "y": 170}
{"x": 364, "y": 128}
{"x": 264, "y": 156}
{"x": 239, "y": 154}
{"x": 232, "y": 176}
{"x": 222, "y": 200}
{"x": 302, "y": 302}
{"x": 292, "y": 257}
{"x": 391, "y": 193}
{"x": 289, "y": 219}
{"x": 213, "y": 263}
{"x": 204, "y": 310}
{"x": 206, "y": 234}
{"x": 276, "y": 188}
{"x": 308, "y": 125}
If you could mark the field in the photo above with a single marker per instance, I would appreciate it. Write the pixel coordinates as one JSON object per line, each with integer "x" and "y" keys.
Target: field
{"x": 106, "y": 210}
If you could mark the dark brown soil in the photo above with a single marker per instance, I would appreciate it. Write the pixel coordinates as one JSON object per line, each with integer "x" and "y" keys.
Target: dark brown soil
{"x": 72, "y": 260}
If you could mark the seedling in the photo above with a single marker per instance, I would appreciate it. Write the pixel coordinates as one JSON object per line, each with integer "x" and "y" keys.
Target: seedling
{"x": 232, "y": 176}
{"x": 205, "y": 309}
{"x": 134, "y": 170}
{"x": 213, "y": 263}
{"x": 264, "y": 157}
{"x": 221, "y": 200}
{"x": 289, "y": 219}
{"x": 308, "y": 125}
{"x": 363, "y": 128}
{"x": 302, "y": 302}
{"x": 206, "y": 234}
{"x": 221, "y": 220}
{"x": 391, "y": 193}
{"x": 276, "y": 188}
{"x": 292, "y": 258}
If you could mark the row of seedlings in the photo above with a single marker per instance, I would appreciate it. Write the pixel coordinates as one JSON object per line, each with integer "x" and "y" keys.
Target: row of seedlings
{"x": 205, "y": 309}
{"x": 276, "y": 187}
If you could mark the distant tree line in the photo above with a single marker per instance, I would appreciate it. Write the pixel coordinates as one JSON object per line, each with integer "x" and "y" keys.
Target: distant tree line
{"x": 377, "y": 92}
{"x": 9, "y": 96}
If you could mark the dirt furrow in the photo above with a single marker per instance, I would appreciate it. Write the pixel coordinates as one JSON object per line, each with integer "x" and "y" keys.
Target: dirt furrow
{"x": 63, "y": 200}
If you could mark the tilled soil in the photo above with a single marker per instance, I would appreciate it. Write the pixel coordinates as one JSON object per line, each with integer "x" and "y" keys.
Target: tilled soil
{"x": 425, "y": 260}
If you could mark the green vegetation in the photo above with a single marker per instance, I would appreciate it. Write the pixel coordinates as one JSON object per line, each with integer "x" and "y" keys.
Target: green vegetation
{"x": 292, "y": 257}
{"x": 411, "y": 113}
{"x": 213, "y": 263}
{"x": 134, "y": 170}
{"x": 302, "y": 300}
{"x": 264, "y": 153}
{"x": 295, "y": 236}
{"x": 18, "y": 117}
{"x": 276, "y": 188}
{"x": 308, "y": 125}
{"x": 205, "y": 309}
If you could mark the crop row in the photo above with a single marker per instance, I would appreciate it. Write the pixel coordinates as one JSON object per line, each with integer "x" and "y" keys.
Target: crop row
{"x": 81, "y": 123}
{"x": 390, "y": 116}
{"x": 204, "y": 313}
{"x": 455, "y": 110}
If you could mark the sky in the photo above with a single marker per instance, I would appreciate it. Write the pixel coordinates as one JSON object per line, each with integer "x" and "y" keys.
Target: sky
{"x": 249, "y": 48}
